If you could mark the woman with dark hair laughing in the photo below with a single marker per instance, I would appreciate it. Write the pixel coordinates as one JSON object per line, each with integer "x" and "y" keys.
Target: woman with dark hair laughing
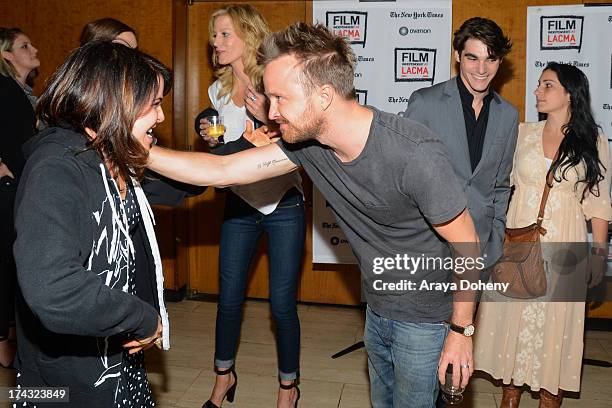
{"x": 88, "y": 305}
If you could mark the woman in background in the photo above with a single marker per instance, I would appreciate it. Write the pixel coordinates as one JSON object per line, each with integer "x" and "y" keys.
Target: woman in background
{"x": 109, "y": 29}
{"x": 540, "y": 343}
{"x": 274, "y": 206}
{"x": 88, "y": 304}
{"x": 17, "y": 124}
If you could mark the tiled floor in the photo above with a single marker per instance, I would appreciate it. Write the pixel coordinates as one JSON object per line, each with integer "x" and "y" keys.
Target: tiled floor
{"x": 182, "y": 377}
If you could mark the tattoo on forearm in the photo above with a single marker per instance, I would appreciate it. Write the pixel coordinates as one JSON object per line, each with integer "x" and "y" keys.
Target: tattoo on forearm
{"x": 270, "y": 163}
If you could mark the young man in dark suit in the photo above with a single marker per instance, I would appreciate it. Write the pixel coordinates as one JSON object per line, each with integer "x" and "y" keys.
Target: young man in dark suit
{"x": 477, "y": 126}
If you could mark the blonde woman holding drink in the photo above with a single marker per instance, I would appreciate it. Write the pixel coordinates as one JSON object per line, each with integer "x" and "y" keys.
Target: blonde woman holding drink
{"x": 273, "y": 206}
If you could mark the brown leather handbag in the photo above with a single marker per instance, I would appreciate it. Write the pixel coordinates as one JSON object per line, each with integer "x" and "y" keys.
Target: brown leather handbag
{"x": 521, "y": 264}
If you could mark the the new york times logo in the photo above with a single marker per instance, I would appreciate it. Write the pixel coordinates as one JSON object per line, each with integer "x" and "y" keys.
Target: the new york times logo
{"x": 415, "y": 65}
{"x": 561, "y": 32}
{"x": 362, "y": 96}
{"x": 352, "y": 25}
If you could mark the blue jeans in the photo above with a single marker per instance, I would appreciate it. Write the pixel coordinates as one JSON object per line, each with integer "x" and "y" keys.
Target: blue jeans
{"x": 403, "y": 361}
{"x": 240, "y": 233}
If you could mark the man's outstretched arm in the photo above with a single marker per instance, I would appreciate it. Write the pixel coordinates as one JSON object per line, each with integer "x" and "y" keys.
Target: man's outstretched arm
{"x": 205, "y": 169}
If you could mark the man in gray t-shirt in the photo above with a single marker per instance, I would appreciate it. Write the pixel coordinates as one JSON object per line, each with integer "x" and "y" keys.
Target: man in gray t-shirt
{"x": 385, "y": 199}
{"x": 393, "y": 192}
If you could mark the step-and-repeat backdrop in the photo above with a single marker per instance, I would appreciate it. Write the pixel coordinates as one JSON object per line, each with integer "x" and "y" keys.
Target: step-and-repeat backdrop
{"x": 579, "y": 35}
{"x": 400, "y": 47}
{"x": 406, "y": 45}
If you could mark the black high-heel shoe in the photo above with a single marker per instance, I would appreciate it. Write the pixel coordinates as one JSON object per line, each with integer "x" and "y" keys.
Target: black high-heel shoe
{"x": 290, "y": 386}
{"x": 231, "y": 392}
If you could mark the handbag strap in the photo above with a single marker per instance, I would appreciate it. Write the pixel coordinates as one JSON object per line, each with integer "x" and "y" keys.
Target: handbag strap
{"x": 547, "y": 186}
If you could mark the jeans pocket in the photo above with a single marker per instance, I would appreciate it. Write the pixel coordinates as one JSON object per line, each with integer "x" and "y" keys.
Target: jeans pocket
{"x": 289, "y": 205}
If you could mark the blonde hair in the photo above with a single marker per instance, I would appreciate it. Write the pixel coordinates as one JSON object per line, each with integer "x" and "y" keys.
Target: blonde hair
{"x": 7, "y": 40}
{"x": 252, "y": 28}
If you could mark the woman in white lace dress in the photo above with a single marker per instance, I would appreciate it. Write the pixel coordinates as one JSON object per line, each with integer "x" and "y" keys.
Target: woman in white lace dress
{"x": 539, "y": 343}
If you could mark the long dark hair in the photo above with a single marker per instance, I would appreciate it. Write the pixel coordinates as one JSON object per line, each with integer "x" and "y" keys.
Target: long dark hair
{"x": 579, "y": 143}
{"x": 105, "y": 86}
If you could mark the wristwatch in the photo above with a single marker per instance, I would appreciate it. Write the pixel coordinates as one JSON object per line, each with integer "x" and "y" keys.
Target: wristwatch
{"x": 467, "y": 331}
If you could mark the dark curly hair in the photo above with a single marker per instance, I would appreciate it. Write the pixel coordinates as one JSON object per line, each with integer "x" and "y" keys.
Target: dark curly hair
{"x": 485, "y": 30}
{"x": 579, "y": 143}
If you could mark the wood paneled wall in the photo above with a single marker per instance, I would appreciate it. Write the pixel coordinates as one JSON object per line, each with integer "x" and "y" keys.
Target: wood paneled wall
{"x": 54, "y": 26}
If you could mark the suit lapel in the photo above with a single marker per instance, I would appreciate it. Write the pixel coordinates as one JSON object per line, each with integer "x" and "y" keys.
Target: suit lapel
{"x": 457, "y": 137}
{"x": 491, "y": 132}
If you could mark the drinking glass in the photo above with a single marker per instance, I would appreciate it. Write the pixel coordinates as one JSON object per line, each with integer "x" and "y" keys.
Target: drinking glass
{"x": 451, "y": 395}
{"x": 216, "y": 128}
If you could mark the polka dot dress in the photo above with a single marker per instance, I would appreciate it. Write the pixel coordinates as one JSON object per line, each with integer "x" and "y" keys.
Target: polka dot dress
{"x": 133, "y": 390}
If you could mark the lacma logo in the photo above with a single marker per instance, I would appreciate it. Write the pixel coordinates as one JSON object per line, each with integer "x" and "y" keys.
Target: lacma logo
{"x": 352, "y": 25}
{"x": 561, "y": 32}
{"x": 415, "y": 65}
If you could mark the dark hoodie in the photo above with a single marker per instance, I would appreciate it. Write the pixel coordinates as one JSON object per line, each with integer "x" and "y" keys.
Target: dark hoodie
{"x": 72, "y": 253}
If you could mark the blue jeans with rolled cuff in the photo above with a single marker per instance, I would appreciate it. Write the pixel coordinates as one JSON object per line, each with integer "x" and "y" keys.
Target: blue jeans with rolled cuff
{"x": 242, "y": 228}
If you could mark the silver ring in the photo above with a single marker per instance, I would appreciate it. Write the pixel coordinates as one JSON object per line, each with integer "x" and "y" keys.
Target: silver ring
{"x": 465, "y": 366}
{"x": 253, "y": 98}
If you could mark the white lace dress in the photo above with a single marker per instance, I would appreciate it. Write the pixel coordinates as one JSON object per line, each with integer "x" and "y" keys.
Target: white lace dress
{"x": 541, "y": 343}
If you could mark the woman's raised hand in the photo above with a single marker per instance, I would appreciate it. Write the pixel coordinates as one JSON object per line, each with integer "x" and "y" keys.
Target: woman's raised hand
{"x": 257, "y": 104}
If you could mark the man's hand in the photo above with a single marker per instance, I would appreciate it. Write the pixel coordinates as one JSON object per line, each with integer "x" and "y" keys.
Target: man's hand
{"x": 135, "y": 346}
{"x": 458, "y": 352}
{"x": 261, "y": 136}
{"x": 5, "y": 171}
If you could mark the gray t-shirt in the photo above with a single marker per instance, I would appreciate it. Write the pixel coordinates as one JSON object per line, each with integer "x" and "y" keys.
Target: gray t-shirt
{"x": 385, "y": 201}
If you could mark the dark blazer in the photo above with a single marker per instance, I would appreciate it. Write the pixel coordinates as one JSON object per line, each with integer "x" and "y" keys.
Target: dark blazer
{"x": 487, "y": 188}
{"x": 17, "y": 122}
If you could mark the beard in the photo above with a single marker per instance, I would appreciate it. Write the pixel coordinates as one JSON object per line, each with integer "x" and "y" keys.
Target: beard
{"x": 309, "y": 129}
